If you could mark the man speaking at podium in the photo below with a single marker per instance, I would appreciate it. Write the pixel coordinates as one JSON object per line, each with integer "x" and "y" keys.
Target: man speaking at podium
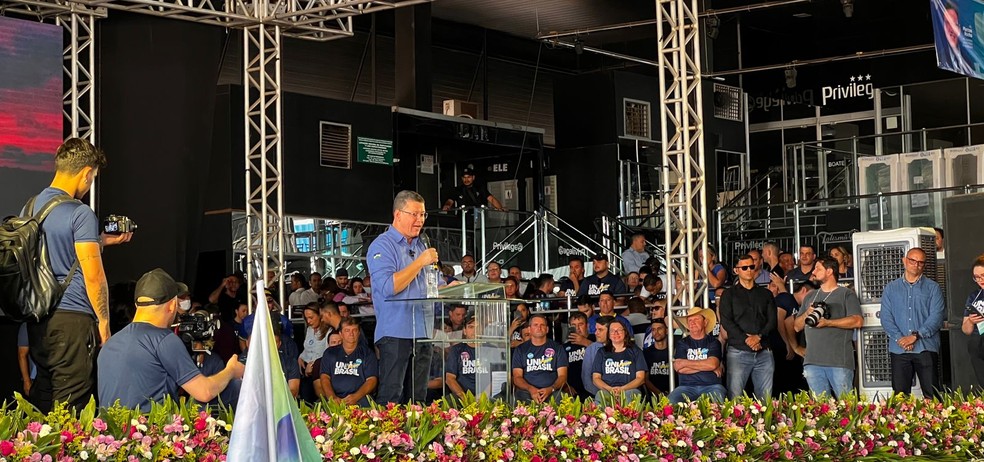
{"x": 398, "y": 263}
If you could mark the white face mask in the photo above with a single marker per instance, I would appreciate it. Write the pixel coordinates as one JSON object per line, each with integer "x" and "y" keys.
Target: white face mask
{"x": 185, "y": 305}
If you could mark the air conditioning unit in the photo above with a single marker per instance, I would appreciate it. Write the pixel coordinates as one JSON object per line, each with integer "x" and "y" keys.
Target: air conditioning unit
{"x": 964, "y": 165}
{"x": 878, "y": 261}
{"x": 879, "y": 174}
{"x": 920, "y": 171}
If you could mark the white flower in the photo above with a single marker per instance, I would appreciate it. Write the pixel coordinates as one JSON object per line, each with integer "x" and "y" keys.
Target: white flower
{"x": 623, "y": 448}
{"x": 134, "y": 422}
{"x": 917, "y": 452}
{"x": 811, "y": 433}
{"x": 681, "y": 443}
{"x": 481, "y": 456}
{"x": 320, "y": 439}
{"x": 143, "y": 428}
{"x": 84, "y": 455}
{"x": 700, "y": 443}
{"x": 45, "y": 430}
{"x": 371, "y": 455}
{"x": 482, "y": 442}
{"x": 148, "y": 455}
{"x": 664, "y": 444}
{"x": 354, "y": 451}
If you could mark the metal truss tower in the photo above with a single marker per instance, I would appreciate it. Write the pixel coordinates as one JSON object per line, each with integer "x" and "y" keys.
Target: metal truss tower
{"x": 681, "y": 122}
{"x": 264, "y": 24}
{"x": 264, "y": 151}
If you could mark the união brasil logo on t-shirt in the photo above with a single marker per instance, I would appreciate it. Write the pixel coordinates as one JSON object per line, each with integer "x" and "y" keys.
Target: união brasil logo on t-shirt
{"x": 543, "y": 363}
{"x": 617, "y": 367}
{"x": 697, "y": 354}
{"x": 660, "y": 368}
{"x": 348, "y": 368}
{"x": 575, "y": 355}
{"x": 472, "y": 366}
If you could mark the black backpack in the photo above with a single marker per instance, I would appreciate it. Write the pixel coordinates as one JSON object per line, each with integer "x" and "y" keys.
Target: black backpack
{"x": 29, "y": 289}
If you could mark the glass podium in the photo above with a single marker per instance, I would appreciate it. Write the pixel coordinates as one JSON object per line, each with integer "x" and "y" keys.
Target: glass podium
{"x": 491, "y": 310}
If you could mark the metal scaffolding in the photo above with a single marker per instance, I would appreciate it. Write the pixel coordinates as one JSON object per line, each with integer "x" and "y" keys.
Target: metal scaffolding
{"x": 681, "y": 121}
{"x": 264, "y": 24}
{"x": 264, "y": 152}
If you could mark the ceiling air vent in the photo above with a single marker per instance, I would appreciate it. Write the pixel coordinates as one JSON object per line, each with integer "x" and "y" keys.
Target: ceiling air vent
{"x": 336, "y": 145}
{"x": 727, "y": 102}
{"x": 637, "y": 119}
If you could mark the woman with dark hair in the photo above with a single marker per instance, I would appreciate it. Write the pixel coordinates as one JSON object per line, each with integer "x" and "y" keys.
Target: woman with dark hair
{"x": 512, "y": 287}
{"x": 973, "y": 321}
{"x": 843, "y": 257}
{"x": 620, "y": 370}
{"x": 315, "y": 343}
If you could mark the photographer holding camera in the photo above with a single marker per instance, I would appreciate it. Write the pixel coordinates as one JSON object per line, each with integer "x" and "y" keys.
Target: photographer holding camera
{"x": 831, "y": 315}
{"x": 146, "y": 362}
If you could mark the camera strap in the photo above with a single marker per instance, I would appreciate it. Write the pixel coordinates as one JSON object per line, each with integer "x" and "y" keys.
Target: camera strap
{"x": 815, "y": 297}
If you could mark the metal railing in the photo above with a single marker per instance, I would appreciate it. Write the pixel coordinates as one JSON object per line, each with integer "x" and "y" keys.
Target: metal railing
{"x": 805, "y": 222}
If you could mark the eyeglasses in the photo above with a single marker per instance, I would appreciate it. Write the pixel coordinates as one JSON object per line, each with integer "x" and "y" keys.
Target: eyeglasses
{"x": 915, "y": 262}
{"x": 416, "y": 216}
{"x": 746, "y": 267}
{"x": 979, "y": 277}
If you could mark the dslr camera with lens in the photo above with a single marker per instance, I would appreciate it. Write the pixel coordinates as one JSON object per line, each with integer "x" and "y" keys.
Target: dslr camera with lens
{"x": 118, "y": 224}
{"x": 820, "y": 310}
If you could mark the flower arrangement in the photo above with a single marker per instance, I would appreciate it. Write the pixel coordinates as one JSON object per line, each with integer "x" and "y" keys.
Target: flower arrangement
{"x": 795, "y": 427}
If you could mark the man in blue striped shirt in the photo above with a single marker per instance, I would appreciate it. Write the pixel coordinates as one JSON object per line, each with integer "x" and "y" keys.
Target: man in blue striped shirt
{"x": 912, "y": 315}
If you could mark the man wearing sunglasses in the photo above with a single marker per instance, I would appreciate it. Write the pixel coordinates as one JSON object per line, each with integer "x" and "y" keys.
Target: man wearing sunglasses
{"x": 748, "y": 314}
{"x": 912, "y": 315}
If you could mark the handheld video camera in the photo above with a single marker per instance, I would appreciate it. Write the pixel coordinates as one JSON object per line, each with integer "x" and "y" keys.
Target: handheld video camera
{"x": 199, "y": 326}
{"x": 118, "y": 224}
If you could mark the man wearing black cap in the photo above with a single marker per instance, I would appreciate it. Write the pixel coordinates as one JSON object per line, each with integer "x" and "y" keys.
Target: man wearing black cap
{"x": 602, "y": 280}
{"x": 469, "y": 194}
{"x": 342, "y": 278}
{"x": 145, "y": 362}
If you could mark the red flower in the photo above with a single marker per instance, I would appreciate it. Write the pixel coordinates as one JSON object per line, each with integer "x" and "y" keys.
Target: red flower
{"x": 667, "y": 410}
{"x": 317, "y": 431}
{"x": 844, "y": 422}
{"x": 6, "y": 448}
{"x": 200, "y": 424}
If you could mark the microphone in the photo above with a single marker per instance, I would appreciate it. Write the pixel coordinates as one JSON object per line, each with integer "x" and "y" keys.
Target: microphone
{"x": 426, "y": 241}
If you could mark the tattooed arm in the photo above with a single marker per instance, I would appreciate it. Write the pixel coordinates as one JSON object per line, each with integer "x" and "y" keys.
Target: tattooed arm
{"x": 90, "y": 262}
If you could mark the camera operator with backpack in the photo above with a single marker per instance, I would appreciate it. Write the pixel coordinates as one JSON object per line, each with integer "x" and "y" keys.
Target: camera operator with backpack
{"x": 52, "y": 276}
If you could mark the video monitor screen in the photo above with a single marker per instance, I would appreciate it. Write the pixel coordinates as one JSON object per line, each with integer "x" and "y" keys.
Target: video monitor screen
{"x": 958, "y": 31}
{"x": 30, "y": 108}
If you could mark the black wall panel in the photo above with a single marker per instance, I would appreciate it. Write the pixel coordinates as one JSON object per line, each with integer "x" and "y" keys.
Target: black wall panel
{"x": 157, "y": 84}
{"x": 961, "y": 214}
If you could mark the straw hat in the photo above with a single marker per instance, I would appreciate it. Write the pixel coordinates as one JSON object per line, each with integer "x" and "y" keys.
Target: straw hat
{"x": 708, "y": 314}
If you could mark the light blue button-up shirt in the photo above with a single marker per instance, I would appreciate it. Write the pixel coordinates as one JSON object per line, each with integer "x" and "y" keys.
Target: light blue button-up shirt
{"x": 908, "y": 308}
{"x": 389, "y": 253}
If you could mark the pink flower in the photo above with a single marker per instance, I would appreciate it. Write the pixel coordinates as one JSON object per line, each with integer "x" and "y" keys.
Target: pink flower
{"x": 6, "y": 448}
{"x": 200, "y": 424}
{"x": 317, "y": 431}
{"x": 34, "y": 427}
{"x": 844, "y": 421}
{"x": 667, "y": 410}
{"x": 99, "y": 425}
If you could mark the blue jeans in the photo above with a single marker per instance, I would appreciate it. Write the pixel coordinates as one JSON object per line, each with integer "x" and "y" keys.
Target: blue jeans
{"x": 834, "y": 381}
{"x": 394, "y": 362}
{"x": 742, "y": 364}
{"x": 691, "y": 392}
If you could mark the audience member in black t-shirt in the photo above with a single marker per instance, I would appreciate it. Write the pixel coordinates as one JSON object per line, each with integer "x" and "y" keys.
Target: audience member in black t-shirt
{"x": 658, "y": 360}
{"x": 577, "y": 343}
